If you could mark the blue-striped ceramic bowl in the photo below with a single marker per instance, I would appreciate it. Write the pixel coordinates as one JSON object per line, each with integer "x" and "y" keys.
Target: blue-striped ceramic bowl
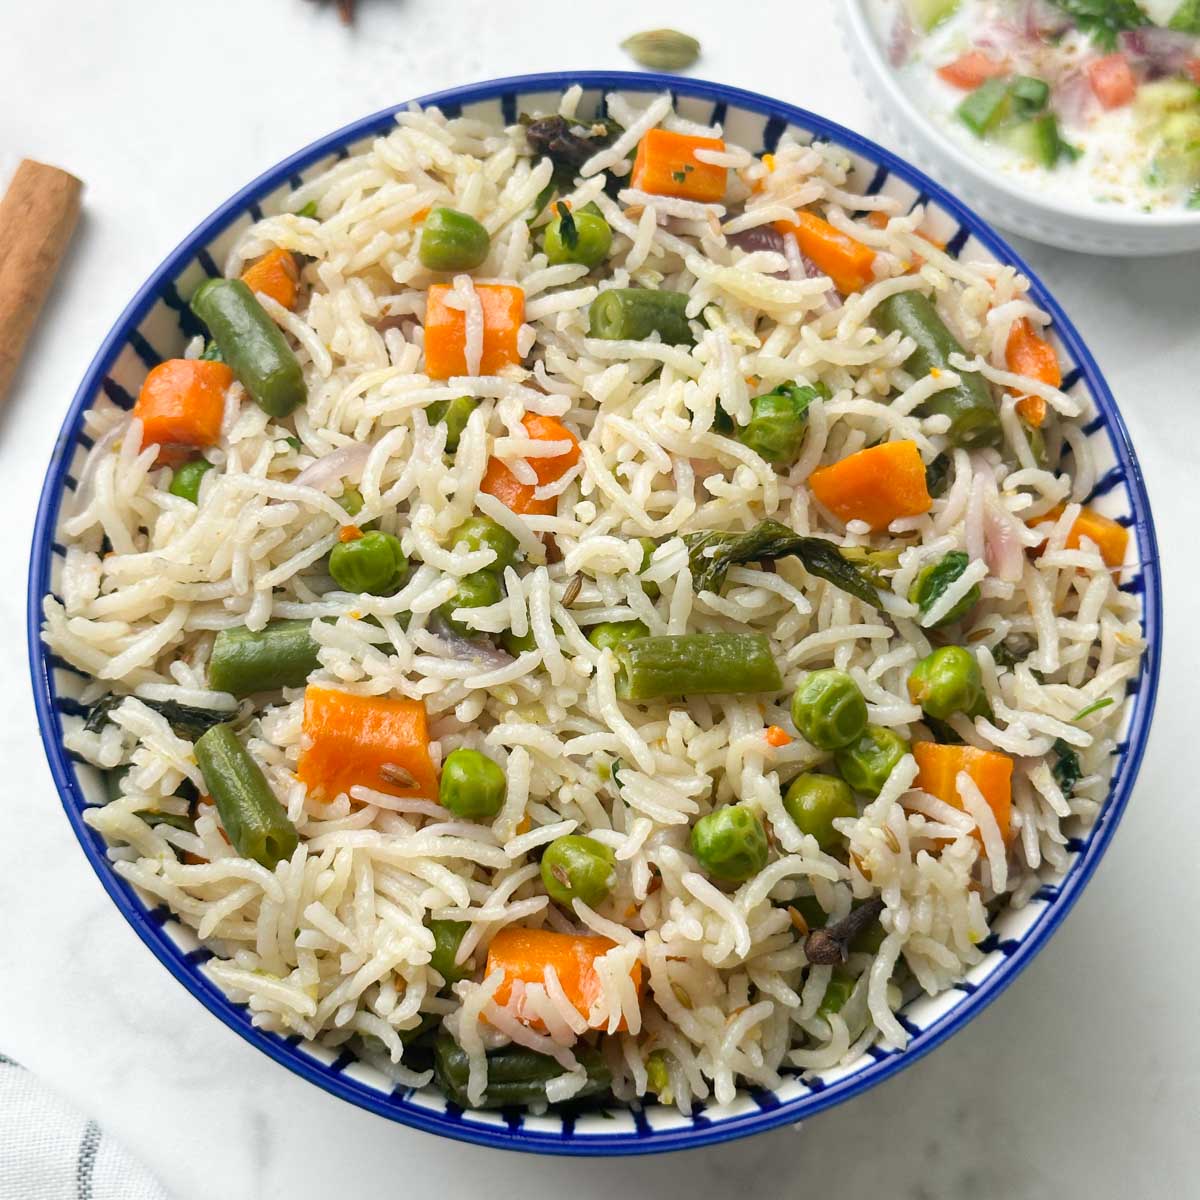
{"x": 156, "y": 325}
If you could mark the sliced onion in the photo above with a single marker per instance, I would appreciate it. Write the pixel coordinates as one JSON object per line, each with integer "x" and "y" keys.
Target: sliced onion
{"x": 1004, "y": 551}
{"x": 87, "y": 477}
{"x": 1164, "y": 50}
{"x": 1044, "y": 20}
{"x": 482, "y": 651}
{"x": 759, "y": 237}
{"x": 332, "y": 467}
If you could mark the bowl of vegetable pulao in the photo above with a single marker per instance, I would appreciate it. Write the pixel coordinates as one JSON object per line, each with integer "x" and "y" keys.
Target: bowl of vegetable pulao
{"x": 594, "y": 614}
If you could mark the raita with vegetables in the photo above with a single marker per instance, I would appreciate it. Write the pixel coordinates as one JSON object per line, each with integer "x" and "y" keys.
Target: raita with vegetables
{"x": 598, "y": 616}
{"x": 1086, "y": 101}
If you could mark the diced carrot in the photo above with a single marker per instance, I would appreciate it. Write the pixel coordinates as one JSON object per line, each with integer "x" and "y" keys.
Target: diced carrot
{"x": 377, "y": 741}
{"x": 524, "y": 954}
{"x": 666, "y": 164}
{"x": 276, "y": 275}
{"x": 1112, "y": 80}
{"x": 500, "y": 482}
{"x": 937, "y": 773}
{"x": 876, "y": 485}
{"x": 421, "y": 214}
{"x": 777, "y": 737}
{"x": 349, "y": 533}
{"x": 1028, "y": 353}
{"x": 1111, "y": 538}
{"x": 847, "y": 262}
{"x": 971, "y": 69}
{"x": 181, "y": 404}
{"x": 446, "y": 330}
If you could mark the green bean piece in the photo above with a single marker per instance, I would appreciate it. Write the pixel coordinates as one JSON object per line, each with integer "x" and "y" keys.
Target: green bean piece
{"x": 252, "y": 345}
{"x": 828, "y": 709}
{"x": 447, "y": 937}
{"x": 649, "y": 545}
{"x": 610, "y": 635}
{"x": 813, "y": 801}
{"x": 373, "y": 564}
{"x": 969, "y": 404}
{"x": 946, "y": 682}
{"x": 578, "y": 868}
{"x": 933, "y": 580}
{"x": 516, "y": 1077}
{"x": 257, "y": 824}
{"x": 472, "y": 785}
{"x": 482, "y": 533}
{"x": 730, "y": 843}
{"x": 187, "y": 479}
{"x": 452, "y": 241}
{"x": 583, "y": 237}
{"x": 778, "y": 420}
{"x": 697, "y": 664}
{"x": 866, "y": 763}
{"x": 634, "y": 314}
{"x": 477, "y": 590}
{"x": 245, "y": 661}
{"x": 454, "y": 414}
{"x": 837, "y": 992}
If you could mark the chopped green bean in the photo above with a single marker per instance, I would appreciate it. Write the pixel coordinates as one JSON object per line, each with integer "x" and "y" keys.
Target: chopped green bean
{"x": 252, "y": 345}
{"x": 245, "y": 661}
{"x": 634, "y": 314}
{"x": 969, "y": 404}
{"x": 257, "y": 824}
{"x": 697, "y": 664}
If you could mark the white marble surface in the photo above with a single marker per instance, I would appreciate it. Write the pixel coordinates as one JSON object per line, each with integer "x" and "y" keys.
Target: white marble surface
{"x": 1083, "y": 1080}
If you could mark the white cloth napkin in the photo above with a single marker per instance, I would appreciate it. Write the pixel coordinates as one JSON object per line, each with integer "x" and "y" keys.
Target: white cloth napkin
{"x": 48, "y": 1151}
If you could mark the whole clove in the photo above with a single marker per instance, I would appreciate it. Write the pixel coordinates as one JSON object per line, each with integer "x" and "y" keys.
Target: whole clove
{"x": 831, "y": 945}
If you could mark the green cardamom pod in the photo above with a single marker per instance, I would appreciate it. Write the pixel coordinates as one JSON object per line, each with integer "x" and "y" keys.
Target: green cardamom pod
{"x": 662, "y": 49}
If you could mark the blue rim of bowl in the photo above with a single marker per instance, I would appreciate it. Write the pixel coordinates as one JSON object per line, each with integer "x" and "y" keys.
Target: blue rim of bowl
{"x": 394, "y": 1106}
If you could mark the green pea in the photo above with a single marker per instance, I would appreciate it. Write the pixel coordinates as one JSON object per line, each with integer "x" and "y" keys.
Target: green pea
{"x": 481, "y": 589}
{"x": 452, "y": 241}
{"x": 777, "y": 423}
{"x": 186, "y": 482}
{"x": 867, "y": 762}
{"x": 583, "y": 237}
{"x": 482, "y": 533}
{"x": 658, "y": 1076}
{"x": 578, "y": 868}
{"x": 472, "y": 785}
{"x": 374, "y": 564}
{"x": 946, "y": 681}
{"x": 649, "y": 545}
{"x": 837, "y": 992}
{"x": 934, "y": 579}
{"x": 828, "y": 709}
{"x": 814, "y": 800}
{"x": 351, "y": 500}
{"x": 730, "y": 843}
{"x": 454, "y": 414}
{"x": 610, "y": 635}
{"x": 447, "y": 936}
{"x": 517, "y": 646}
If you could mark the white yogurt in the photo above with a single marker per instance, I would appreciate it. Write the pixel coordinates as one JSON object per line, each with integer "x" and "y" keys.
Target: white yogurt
{"x": 1114, "y": 163}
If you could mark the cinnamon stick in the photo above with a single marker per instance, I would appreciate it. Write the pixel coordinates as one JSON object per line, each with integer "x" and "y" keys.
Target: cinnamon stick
{"x": 37, "y": 217}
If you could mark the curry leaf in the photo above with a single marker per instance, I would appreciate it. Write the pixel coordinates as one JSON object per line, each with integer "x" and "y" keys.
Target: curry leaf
{"x": 1066, "y": 771}
{"x": 186, "y": 721}
{"x": 566, "y": 227}
{"x": 711, "y": 553}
